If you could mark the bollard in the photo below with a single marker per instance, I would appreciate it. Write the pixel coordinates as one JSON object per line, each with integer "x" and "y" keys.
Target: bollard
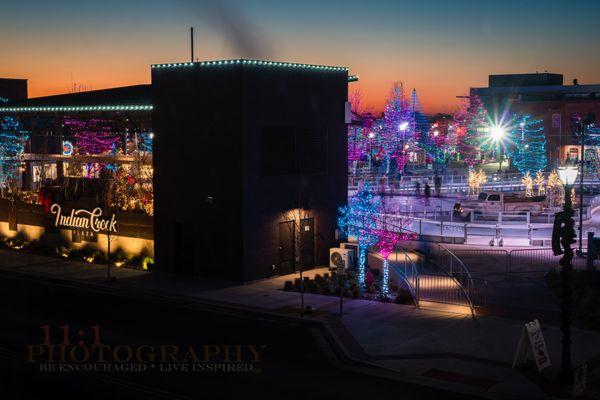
{"x": 591, "y": 252}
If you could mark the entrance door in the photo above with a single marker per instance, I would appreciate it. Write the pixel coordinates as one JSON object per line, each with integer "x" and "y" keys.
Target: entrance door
{"x": 307, "y": 243}
{"x": 287, "y": 248}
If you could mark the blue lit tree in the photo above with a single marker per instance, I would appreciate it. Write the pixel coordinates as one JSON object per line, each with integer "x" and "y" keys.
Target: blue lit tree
{"x": 146, "y": 141}
{"x": 529, "y": 153}
{"x": 12, "y": 144}
{"x": 592, "y": 144}
{"x": 359, "y": 219}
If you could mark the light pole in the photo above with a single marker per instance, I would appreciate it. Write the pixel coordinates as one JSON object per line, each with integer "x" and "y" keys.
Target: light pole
{"x": 403, "y": 127}
{"x": 581, "y": 162}
{"x": 567, "y": 238}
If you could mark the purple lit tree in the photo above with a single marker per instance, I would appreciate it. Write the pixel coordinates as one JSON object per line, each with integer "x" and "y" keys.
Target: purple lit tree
{"x": 397, "y": 114}
{"x": 398, "y": 126}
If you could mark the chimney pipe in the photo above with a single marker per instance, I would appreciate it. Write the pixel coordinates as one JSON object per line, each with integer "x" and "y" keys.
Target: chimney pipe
{"x": 192, "y": 42}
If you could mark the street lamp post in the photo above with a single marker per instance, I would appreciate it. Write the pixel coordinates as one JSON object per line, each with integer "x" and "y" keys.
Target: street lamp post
{"x": 567, "y": 238}
{"x": 582, "y": 158}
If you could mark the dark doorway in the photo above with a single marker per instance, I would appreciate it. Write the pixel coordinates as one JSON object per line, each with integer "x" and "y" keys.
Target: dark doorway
{"x": 287, "y": 248}
{"x": 307, "y": 243}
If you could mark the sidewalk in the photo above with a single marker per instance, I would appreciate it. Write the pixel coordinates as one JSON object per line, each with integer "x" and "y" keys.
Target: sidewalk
{"x": 428, "y": 347}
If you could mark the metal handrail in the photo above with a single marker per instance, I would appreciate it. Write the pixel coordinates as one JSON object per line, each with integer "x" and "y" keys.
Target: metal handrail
{"x": 413, "y": 287}
{"x": 460, "y": 283}
{"x": 455, "y": 257}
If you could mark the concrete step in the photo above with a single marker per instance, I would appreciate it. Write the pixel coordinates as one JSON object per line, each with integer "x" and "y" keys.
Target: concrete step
{"x": 444, "y": 307}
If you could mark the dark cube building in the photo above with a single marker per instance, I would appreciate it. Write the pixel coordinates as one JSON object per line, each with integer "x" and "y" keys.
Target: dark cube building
{"x": 249, "y": 167}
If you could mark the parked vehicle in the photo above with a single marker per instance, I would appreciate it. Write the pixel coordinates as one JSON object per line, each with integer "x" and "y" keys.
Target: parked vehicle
{"x": 498, "y": 201}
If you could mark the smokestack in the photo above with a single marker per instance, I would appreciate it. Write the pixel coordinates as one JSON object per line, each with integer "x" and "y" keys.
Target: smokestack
{"x": 192, "y": 42}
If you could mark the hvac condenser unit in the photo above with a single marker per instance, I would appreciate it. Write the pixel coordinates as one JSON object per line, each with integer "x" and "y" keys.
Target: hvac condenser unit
{"x": 340, "y": 258}
{"x": 354, "y": 248}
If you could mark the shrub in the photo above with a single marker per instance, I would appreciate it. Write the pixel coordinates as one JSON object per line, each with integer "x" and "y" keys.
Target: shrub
{"x": 100, "y": 258}
{"x": 86, "y": 254}
{"x": 63, "y": 251}
{"x": 288, "y": 286}
{"x": 148, "y": 263}
{"x": 18, "y": 242}
{"x": 297, "y": 282}
{"x": 403, "y": 296}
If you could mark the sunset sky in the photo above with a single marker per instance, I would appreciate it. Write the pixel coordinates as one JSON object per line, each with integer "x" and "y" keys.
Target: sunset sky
{"x": 439, "y": 47}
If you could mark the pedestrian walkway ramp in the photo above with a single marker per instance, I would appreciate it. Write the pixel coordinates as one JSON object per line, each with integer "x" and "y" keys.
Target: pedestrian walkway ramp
{"x": 438, "y": 279}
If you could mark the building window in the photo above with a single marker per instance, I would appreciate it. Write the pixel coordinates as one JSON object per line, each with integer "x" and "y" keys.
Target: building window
{"x": 555, "y": 121}
{"x": 286, "y": 150}
{"x": 41, "y": 172}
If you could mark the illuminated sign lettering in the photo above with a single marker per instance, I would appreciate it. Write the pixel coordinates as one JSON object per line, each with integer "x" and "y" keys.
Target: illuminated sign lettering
{"x": 83, "y": 219}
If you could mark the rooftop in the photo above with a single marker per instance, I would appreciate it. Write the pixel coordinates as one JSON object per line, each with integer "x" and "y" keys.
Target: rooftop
{"x": 127, "y": 98}
{"x": 251, "y": 63}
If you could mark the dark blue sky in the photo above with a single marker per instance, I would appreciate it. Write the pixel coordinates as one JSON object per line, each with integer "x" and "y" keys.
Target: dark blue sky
{"x": 440, "y": 47}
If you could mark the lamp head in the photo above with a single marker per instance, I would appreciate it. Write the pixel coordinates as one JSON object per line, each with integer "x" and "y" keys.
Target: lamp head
{"x": 567, "y": 175}
{"x": 497, "y": 133}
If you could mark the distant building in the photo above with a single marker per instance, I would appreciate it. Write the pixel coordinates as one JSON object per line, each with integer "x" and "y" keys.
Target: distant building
{"x": 544, "y": 96}
{"x": 13, "y": 89}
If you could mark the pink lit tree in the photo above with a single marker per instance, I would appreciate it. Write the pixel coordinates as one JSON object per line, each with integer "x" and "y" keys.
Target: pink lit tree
{"x": 386, "y": 243}
{"x": 92, "y": 136}
{"x": 472, "y": 120}
{"x": 388, "y": 236}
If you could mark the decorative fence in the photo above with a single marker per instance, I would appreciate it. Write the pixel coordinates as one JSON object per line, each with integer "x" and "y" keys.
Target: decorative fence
{"x": 449, "y": 183}
{"x": 517, "y": 261}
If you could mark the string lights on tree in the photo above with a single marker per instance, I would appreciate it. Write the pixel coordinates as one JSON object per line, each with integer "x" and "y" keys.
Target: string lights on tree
{"x": 12, "y": 144}
{"x": 387, "y": 241}
{"x": 358, "y": 219}
{"x": 529, "y": 153}
{"x": 92, "y": 136}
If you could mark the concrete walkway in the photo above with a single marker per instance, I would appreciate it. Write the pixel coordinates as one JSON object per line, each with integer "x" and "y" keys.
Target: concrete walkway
{"x": 424, "y": 346}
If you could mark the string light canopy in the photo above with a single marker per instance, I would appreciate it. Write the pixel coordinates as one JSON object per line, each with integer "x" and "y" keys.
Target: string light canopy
{"x": 258, "y": 63}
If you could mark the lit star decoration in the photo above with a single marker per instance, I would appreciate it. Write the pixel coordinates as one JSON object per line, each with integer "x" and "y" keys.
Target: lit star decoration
{"x": 358, "y": 219}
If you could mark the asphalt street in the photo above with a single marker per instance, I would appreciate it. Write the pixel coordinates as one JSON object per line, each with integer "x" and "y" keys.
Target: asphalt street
{"x": 277, "y": 358}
